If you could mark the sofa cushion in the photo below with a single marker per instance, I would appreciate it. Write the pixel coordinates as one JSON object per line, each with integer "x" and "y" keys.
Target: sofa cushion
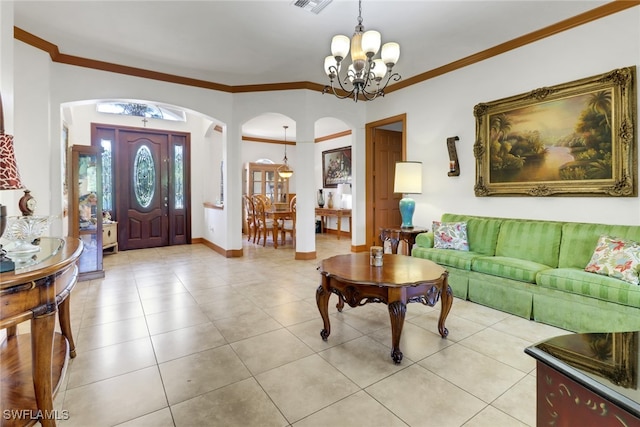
{"x": 616, "y": 258}
{"x": 446, "y": 257}
{"x": 450, "y": 235}
{"x": 510, "y": 268}
{"x": 578, "y": 281}
{"x": 537, "y": 241}
{"x": 482, "y": 233}
{"x": 580, "y": 239}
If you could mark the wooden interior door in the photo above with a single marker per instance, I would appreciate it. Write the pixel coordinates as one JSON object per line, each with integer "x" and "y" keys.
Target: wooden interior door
{"x": 151, "y": 185}
{"x": 387, "y": 150}
{"x": 385, "y": 143}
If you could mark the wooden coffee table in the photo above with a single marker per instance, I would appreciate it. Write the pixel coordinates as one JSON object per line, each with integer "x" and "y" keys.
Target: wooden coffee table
{"x": 400, "y": 280}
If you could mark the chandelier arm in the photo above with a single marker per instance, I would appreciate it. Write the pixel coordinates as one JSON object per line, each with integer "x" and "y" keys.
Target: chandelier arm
{"x": 395, "y": 77}
{"x": 332, "y": 89}
{"x": 343, "y": 87}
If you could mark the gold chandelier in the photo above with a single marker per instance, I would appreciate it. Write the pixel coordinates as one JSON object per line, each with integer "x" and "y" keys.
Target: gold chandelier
{"x": 365, "y": 75}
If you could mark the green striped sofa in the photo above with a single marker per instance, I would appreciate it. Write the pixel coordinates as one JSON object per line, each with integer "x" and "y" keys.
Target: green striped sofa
{"x": 535, "y": 269}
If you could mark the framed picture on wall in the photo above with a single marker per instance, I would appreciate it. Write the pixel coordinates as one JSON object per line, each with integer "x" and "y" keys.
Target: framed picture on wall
{"x": 573, "y": 139}
{"x": 336, "y": 167}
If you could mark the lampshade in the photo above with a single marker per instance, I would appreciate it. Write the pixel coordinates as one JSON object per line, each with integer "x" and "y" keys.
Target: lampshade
{"x": 371, "y": 42}
{"x": 379, "y": 69}
{"x": 340, "y": 46}
{"x": 9, "y": 175}
{"x": 408, "y": 178}
{"x": 390, "y": 53}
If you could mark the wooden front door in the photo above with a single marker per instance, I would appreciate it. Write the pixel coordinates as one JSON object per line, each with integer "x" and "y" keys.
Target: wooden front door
{"x": 384, "y": 148}
{"x": 150, "y": 185}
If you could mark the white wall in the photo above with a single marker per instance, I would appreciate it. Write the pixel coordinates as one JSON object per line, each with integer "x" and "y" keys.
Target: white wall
{"x": 343, "y": 141}
{"x": 443, "y": 107}
{"x": 436, "y": 109}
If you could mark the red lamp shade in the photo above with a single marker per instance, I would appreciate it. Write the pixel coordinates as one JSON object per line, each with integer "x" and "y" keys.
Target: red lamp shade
{"x": 9, "y": 175}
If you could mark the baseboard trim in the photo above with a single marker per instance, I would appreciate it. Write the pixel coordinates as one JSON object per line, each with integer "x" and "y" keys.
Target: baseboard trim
{"x": 234, "y": 253}
{"x": 359, "y": 248}
{"x": 305, "y": 255}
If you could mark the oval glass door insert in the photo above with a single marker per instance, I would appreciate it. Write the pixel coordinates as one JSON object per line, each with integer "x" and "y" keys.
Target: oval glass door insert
{"x": 144, "y": 176}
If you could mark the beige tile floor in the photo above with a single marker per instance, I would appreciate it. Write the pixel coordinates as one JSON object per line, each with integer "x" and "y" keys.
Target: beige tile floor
{"x": 181, "y": 336}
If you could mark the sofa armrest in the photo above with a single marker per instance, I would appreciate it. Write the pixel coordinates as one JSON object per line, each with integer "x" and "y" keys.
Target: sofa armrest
{"x": 425, "y": 240}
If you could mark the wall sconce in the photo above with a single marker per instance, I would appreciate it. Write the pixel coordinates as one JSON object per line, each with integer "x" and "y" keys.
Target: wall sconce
{"x": 454, "y": 166}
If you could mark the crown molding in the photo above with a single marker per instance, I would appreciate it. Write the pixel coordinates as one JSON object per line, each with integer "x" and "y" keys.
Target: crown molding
{"x": 567, "y": 24}
{"x": 279, "y": 141}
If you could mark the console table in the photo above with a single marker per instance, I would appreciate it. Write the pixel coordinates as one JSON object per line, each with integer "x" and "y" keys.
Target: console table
{"x": 33, "y": 365}
{"x": 587, "y": 380}
{"x": 395, "y": 235}
{"x": 323, "y": 213}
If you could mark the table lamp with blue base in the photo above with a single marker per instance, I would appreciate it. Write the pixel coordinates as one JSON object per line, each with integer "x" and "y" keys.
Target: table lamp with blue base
{"x": 408, "y": 180}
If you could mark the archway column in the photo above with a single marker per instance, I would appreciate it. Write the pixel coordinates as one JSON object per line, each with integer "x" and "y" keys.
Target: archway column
{"x": 305, "y": 191}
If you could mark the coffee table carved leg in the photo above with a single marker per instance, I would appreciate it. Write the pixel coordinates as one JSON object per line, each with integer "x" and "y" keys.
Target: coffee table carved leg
{"x": 322, "y": 299}
{"x": 397, "y": 312}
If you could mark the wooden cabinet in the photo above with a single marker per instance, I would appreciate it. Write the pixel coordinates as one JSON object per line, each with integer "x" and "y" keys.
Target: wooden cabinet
{"x": 85, "y": 207}
{"x": 261, "y": 178}
{"x": 110, "y": 236}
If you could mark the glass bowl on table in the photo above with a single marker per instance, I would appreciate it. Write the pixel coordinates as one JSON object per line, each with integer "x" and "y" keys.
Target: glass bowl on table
{"x": 23, "y": 234}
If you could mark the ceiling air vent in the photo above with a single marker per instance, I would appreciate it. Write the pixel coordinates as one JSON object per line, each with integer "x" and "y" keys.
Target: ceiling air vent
{"x": 314, "y": 6}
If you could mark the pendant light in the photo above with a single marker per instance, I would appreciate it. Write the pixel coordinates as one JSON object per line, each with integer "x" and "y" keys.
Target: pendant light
{"x": 285, "y": 171}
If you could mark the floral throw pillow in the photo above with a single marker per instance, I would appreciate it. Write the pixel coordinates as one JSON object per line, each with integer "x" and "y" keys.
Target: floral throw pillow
{"x": 617, "y": 258}
{"x": 450, "y": 235}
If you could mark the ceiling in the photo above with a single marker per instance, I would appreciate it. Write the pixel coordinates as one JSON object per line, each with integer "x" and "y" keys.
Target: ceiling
{"x": 272, "y": 41}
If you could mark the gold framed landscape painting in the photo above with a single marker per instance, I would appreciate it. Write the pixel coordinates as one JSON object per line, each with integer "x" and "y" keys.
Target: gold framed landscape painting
{"x": 573, "y": 139}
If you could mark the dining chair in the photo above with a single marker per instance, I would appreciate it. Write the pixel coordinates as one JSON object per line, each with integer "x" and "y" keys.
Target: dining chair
{"x": 250, "y": 218}
{"x": 289, "y": 224}
{"x": 264, "y": 225}
{"x": 266, "y": 200}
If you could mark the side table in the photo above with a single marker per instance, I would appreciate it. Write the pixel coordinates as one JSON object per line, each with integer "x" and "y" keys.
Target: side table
{"x": 33, "y": 365}
{"x": 587, "y": 379}
{"x": 110, "y": 236}
{"x": 392, "y": 236}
